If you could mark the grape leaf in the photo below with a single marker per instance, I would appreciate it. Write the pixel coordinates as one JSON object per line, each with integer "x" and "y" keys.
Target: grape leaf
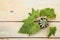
{"x": 34, "y": 13}
{"x": 29, "y": 27}
{"x": 27, "y": 24}
{"x": 52, "y": 31}
{"x": 48, "y": 12}
{"x": 34, "y": 29}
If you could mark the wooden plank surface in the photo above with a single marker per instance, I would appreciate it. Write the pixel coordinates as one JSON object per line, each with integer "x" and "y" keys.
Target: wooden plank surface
{"x": 21, "y": 8}
{"x": 17, "y": 10}
{"x": 10, "y": 29}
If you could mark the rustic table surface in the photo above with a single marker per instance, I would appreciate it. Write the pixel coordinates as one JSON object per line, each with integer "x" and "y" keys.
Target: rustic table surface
{"x": 13, "y": 11}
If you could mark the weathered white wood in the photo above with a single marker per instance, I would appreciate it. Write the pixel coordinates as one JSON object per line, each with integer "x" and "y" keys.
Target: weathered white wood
{"x": 30, "y": 39}
{"x": 21, "y": 8}
{"x": 10, "y": 29}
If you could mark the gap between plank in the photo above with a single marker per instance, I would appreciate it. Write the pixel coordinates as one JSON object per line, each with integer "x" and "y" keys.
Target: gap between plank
{"x": 29, "y": 37}
{"x": 22, "y": 21}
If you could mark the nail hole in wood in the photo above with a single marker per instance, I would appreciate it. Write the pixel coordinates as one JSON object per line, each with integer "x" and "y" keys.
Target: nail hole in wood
{"x": 11, "y": 11}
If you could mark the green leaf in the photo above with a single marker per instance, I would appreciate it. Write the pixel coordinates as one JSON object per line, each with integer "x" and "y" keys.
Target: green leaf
{"x": 52, "y": 31}
{"x": 48, "y": 12}
{"x": 27, "y": 24}
{"x": 52, "y": 14}
{"x": 34, "y": 29}
{"x": 29, "y": 27}
{"x": 25, "y": 27}
{"x": 35, "y": 13}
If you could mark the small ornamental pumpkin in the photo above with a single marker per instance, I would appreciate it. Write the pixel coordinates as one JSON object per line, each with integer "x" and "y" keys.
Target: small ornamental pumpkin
{"x": 43, "y": 22}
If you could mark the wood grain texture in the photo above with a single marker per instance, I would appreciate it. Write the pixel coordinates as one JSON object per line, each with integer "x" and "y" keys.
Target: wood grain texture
{"x": 17, "y": 10}
{"x": 21, "y": 8}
